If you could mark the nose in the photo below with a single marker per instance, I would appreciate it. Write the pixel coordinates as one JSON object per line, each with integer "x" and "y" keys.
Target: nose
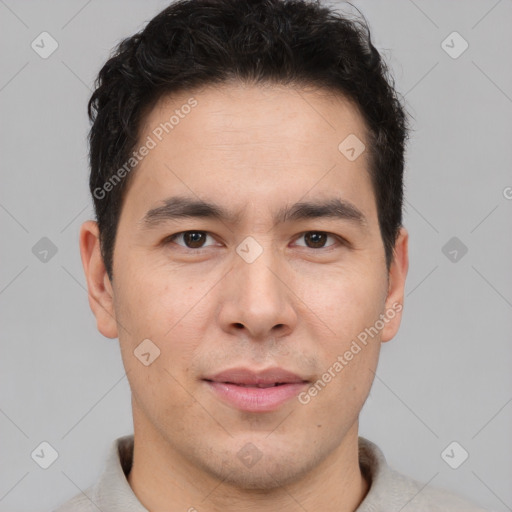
{"x": 258, "y": 298}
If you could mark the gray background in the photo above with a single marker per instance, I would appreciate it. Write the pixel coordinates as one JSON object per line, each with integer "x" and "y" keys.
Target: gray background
{"x": 445, "y": 377}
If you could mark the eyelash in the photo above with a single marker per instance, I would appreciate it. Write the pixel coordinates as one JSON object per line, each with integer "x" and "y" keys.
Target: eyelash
{"x": 171, "y": 238}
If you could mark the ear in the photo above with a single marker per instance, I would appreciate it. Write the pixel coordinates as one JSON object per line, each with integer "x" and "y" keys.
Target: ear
{"x": 396, "y": 286}
{"x": 101, "y": 297}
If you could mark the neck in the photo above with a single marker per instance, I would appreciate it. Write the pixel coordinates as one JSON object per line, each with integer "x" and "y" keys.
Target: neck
{"x": 163, "y": 480}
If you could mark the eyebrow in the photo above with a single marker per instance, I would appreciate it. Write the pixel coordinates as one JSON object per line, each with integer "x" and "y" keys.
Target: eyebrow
{"x": 179, "y": 207}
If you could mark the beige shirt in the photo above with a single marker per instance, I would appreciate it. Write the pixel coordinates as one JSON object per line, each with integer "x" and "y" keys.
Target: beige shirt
{"x": 389, "y": 490}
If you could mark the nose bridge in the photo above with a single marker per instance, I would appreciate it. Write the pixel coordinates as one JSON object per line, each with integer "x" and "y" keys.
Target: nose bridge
{"x": 258, "y": 297}
{"x": 257, "y": 267}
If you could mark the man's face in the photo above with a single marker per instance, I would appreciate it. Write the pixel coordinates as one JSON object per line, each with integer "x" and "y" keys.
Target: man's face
{"x": 257, "y": 292}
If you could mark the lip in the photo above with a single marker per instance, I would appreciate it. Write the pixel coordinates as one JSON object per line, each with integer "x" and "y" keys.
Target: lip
{"x": 255, "y": 391}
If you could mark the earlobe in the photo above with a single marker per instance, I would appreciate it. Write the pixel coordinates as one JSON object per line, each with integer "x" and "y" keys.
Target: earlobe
{"x": 101, "y": 299}
{"x": 397, "y": 276}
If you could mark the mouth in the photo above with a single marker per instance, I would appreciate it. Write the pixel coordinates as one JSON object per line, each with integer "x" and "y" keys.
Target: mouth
{"x": 255, "y": 391}
{"x": 262, "y": 385}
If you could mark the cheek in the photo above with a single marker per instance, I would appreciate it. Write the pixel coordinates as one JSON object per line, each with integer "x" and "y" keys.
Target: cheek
{"x": 348, "y": 305}
{"x": 164, "y": 307}
{"x": 341, "y": 389}
{"x": 346, "y": 301}
{"x": 153, "y": 310}
{"x": 153, "y": 300}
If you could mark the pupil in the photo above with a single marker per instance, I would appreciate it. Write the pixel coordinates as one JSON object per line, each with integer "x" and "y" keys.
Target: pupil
{"x": 317, "y": 239}
{"x": 195, "y": 238}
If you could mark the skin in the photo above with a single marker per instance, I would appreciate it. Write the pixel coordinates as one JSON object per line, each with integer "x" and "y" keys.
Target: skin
{"x": 252, "y": 149}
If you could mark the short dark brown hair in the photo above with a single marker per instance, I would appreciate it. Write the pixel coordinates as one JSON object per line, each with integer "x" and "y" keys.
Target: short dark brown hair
{"x": 195, "y": 43}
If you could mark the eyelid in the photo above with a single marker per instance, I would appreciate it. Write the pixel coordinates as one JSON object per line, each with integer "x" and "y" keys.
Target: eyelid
{"x": 171, "y": 238}
{"x": 340, "y": 240}
{"x": 337, "y": 238}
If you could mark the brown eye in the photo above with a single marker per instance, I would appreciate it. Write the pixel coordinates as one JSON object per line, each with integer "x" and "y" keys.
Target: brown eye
{"x": 316, "y": 239}
{"x": 191, "y": 239}
{"x": 194, "y": 239}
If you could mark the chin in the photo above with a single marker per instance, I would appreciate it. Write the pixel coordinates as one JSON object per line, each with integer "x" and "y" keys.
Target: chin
{"x": 268, "y": 473}
{"x": 265, "y": 478}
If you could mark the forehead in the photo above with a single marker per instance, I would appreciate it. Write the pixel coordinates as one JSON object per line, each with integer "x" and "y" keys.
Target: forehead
{"x": 250, "y": 146}
{"x": 235, "y": 112}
